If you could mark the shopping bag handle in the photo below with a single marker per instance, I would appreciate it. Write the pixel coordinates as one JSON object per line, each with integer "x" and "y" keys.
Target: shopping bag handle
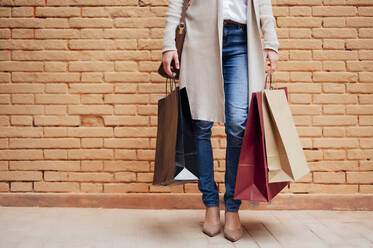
{"x": 171, "y": 82}
{"x": 270, "y": 80}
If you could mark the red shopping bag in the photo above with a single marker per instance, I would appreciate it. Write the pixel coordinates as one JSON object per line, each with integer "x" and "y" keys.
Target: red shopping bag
{"x": 252, "y": 172}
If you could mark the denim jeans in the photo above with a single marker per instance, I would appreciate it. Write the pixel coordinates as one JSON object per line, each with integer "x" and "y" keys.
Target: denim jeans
{"x": 234, "y": 58}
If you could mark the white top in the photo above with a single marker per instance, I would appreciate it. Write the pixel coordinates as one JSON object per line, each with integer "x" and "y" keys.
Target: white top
{"x": 235, "y": 10}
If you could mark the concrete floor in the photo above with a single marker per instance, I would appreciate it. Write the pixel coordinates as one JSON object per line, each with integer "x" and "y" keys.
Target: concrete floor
{"x": 96, "y": 227}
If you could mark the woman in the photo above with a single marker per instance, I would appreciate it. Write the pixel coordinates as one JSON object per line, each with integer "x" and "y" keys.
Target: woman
{"x": 222, "y": 63}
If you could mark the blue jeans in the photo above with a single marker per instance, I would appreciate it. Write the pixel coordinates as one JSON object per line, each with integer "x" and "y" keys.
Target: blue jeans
{"x": 236, "y": 107}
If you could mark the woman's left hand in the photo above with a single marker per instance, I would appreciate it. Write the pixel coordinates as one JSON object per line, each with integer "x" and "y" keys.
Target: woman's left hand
{"x": 272, "y": 57}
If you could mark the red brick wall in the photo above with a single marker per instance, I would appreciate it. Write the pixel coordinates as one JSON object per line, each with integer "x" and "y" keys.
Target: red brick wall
{"x": 79, "y": 93}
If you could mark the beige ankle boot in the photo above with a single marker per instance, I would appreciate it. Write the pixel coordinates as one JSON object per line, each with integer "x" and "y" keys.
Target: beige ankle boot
{"x": 232, "y": 234}
{"x": 211, "y": 225}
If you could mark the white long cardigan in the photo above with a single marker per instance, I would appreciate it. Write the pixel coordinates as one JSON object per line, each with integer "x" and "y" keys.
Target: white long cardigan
{"x": 201, "y": 68}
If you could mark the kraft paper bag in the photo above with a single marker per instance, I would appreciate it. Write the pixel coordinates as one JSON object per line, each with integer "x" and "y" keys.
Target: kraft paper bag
{"x": 285, "y": 155}
{"x": 275, "y": 150}
{"x": 252, "y": 172}
{"x": 176, "y": 151}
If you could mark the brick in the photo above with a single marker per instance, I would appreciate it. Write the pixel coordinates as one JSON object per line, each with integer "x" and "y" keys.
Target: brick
{"x": 32, "y": 45}
{"x": 332, "y": 120}
{"x": 360, "y": 88}
{"x": 135, "y": 132}
{"x": 55, "y": 109}
{"x": 77, "y": 22}
{"x": 329, "y": 177}
{"x": 21, "y": 33}
{"x": 334, "y": 165}
{"x": 127, "y": 33}
{"x": 90, "y": 131}
{"x": 335, "y": 142}
{"x": 124, "y": 109}
{"x": 116, "y": 12}
{"x": 366, "y": 120}
{"x": 126, "y": 121}
{"x": 335, "y": 98}
{"x": 360, "y": 177}
{"x": 57, "y": 34}
{"x": 57, "y": 11}
{"x": 126, "y": 77}
{"x": 91, "y": 176}
{"x": 130, "y": 66}
{"x": 305, "y": 109}
{"x": 21, "y": 132}
{"x": 121, "y": 165}
{"x": 56, "y": 121}
{"x": 92, "y": 2}
{"x": 56, "y": 187}
{"x": 20, "y": 175}
{"x": 140, "y": 22}
{"x": 21, "y": 186}
{"x": 90, "y": 109}
{"x": 21, "y": 66}
{"x": 126, "y": 188}
{"x": 92, "y": 142}
{"x": 334, "y": 131}
{"x": 366, "y": 98}
{"x": 366, "y": 154}
{"x": 366, "y": 143}
{"x": 126, "y": 88}
{"x": 46, "y": 77}
{"x": 21, "y": 120}
{"x": 22, "y": 99}
{"x": 91, "y": 88}
{"x": 55, "y": 66}
{"x": 359, "y": 109}
{"x": 334, "y": 11}
{"x": 91, "y": 66}
{"x": 5, "y": 12}
{"x": 334, "y": 109}
{"x": 359, "y": 131}
{"x": 334, "y": 154}
{"x": 333, "y": 88}
{"x": 334, "y": 76}
{"x": 323, "y": 188}
{"x": 19, "y": 154}
{"x": 92, "y": 99}
{"x": 34, "y": 23}
{"x": 340, "y": 33}
{"x": 44, "y": 143}
{"x": 22, "y": 2}
{"x": 126, "y": 98}
{"x": 127, "y": 143}
{"x": 91, "y": 187}
{"x": 125, "y": 176}
{"x": 22, "y": 12}
{"x": 4, "y": 34}
{"x": 103, "y": 44}
{"x": 90, "y": 154}
{"x": 45, "y": 165}
{"x": 92, "y": 165}
{"x": 57, "y": 99}
{"x": 92, "y": 77}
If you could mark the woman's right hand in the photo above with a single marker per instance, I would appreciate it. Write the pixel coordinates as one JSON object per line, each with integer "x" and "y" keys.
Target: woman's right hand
{"x": 167, "y": 58}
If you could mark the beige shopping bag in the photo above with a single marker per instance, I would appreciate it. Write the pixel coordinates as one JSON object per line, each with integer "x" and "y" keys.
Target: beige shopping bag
{"x": 285, "y": 155}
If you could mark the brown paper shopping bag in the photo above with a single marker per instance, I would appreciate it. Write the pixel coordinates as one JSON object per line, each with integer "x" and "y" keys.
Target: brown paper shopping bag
{"x": 285, "y": 155}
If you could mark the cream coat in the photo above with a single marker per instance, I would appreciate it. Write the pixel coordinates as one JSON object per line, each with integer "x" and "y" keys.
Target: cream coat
{"x": 201, "y": 68}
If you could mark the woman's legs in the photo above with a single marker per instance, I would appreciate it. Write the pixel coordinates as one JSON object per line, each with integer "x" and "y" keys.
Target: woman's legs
{"x": 206, "y": 182}
{"x": 236, "y": 104}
